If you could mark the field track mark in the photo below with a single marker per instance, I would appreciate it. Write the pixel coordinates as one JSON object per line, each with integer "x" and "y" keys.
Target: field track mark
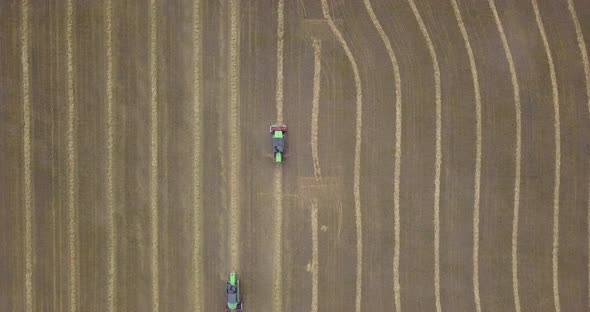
{"x": 71, "y": 168}
{"x": 277, "y": 300}
{"x": 314, "y": 256}
{"x": 584, "y": 54}
{"x": 398, "y": 149}
{"x": 154, "y": 156}
{"x": 438, "y": 156}
{"x": 315, "y": 109}
{"x": 111, "y": 239}
{"x": 555, "y": 251}
{"x": 197, "y": 292}
{"x": 357, "y": 156}
{"x": 477, "y": 181}
{"x": 517, "y": 156}
{"x": 234, "y": 115}
{"x": 28, "y": 175}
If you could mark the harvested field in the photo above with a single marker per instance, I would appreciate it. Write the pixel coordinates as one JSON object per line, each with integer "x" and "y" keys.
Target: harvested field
{"x": 438, "y": 155}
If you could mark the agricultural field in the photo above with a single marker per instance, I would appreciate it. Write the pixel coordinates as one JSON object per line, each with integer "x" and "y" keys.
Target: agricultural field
{"x": 437, "y": 157}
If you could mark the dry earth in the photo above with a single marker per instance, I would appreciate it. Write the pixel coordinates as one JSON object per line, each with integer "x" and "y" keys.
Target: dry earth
{"x": 438, "y": 155}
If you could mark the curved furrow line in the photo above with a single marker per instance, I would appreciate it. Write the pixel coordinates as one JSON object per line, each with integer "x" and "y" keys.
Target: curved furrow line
{"x": 438, "y": 153}
{"x": 111, "y": 227}
{"x": 154, "y": 156}
{"x": 357, "y": 155}
{"x": 555, "y": 92}
{"x": 197, "y": 170}
{"x": 584, "y": 54}
{"x": 73, "y": 278}
{"x": 27, "y": 173}
{"x": 398, "y": 150}
{"x": 517, "y": 154}
{"x": 477, "y": 182}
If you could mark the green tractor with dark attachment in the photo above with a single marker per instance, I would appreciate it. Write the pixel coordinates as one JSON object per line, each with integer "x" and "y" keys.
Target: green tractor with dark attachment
{"x": 233, "y": 302}
{"x": 278, "y": 133}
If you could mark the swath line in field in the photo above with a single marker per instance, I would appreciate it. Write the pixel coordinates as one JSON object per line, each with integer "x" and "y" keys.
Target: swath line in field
{"x": 154, "y": 157}
{"x": 73, "y": 277}
{"x": 222, "y": 121}
{"x": 517, "y": 155}
{"x": 315, "y": 109}
{"x": 584, "y": 54}
{"x": 197, "y": 292}
{"x": 477, "y": 182}
{"x": 111, "y": 239}
{"x": 27, "y": 173}
{"x": 582, "y": 47}
{"x": 438, "y": 154}
{"x": 556, "y": 125}
{"x": 357, "y": 155}
{"x": 280, "y": 59}
{"x": 398, "y": 150}
{"x": 277, "y": 296}
{"x": 278, "y": 172}
{"x": 314, "y": 256}
{"x": 234, "y": 113}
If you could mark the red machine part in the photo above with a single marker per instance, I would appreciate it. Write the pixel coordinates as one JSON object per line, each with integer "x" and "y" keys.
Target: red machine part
{"x": 274, "y": 128}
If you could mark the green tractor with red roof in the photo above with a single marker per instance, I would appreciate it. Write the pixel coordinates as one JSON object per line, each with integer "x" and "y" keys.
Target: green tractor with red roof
{"x": 278, "y": 133}
{"x": 233, "y": 302}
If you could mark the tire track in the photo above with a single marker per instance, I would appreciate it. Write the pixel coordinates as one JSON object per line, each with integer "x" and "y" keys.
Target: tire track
{"x": 27, "y": 173}
{"x": 438, "y": 156}
{"x": 111, "y": 227}
{"x": 197, "y": 292}
{"x": 278, "y": 171}
{"x": 357, "y": 155}
{"x": 234, "y": 114}
{"x": 154, "y": 157}
{"x": 315, "y": 110}
{"x": 73, "y": 277}
{"x": 398, "y": 150}
{"x": 477, "y": 182}
{"x": 517, "y": 155}
{"x": 314, "y": 256}
{"x": 584, "y": 54}
{"x": 555, "y": 92}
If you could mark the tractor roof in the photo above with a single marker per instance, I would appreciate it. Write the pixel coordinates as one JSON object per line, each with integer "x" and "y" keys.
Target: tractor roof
{"x": 277, "y": 134}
